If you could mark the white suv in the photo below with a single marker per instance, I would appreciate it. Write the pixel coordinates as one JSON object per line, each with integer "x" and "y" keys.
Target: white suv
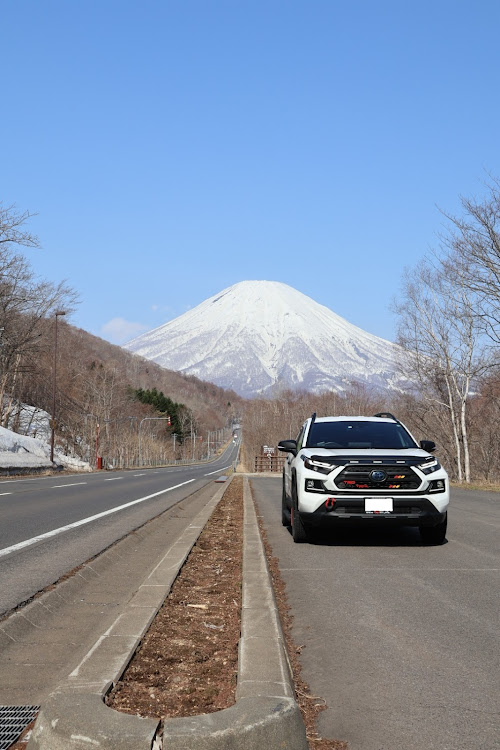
{"x": 344, "y": 471}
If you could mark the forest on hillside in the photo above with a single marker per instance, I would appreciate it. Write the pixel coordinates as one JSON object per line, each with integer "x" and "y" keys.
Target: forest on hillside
{"x": 108, "y": 403}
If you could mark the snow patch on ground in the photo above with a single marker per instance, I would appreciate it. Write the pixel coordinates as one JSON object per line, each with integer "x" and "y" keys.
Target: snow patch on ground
{"x": 20, "y": 451}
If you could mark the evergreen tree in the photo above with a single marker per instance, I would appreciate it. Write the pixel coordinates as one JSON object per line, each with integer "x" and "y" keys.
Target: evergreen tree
{"x": 164, "y": 406}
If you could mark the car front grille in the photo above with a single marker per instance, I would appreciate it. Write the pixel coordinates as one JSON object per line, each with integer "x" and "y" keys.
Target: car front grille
{"x": 363, "y": 477}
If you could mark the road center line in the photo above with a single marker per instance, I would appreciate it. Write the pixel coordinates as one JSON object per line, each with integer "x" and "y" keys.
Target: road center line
{"x": 55, "y": 532}
{"x": 112, "y": 479}
{"x": 5, "y": 493}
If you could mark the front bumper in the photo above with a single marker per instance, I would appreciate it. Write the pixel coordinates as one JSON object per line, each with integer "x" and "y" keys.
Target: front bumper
{"x": 407, "y": 511}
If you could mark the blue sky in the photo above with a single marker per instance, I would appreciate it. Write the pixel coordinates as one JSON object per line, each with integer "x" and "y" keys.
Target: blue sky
{"x": 174, "y": 148}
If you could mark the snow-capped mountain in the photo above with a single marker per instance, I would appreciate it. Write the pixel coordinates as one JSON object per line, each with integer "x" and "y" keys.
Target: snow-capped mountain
{"x": 257, "y": 336}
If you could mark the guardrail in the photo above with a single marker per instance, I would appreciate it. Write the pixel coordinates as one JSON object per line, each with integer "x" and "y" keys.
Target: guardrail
{"x": 269, "y": 462}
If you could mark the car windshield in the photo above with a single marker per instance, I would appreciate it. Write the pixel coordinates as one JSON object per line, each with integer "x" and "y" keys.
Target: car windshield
{"x": 359, "y": 435}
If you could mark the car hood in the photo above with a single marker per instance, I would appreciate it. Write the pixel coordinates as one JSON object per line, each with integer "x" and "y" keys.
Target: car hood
{"x": 369, "y": 453}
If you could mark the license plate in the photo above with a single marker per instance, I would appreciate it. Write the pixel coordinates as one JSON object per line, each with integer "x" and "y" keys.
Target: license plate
{"x": 378, "y": 505}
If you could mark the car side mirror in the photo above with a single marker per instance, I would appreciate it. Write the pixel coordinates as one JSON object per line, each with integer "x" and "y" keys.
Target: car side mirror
{"x": 428, "y": 445}
{"x": 288, "y": 446}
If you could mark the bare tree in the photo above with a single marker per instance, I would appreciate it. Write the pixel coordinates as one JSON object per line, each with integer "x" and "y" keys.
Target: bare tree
{"x": 13, "y": 230}
{"x": 485, "y": 429}
{"x": 473, "y": 254}
{"x": 439, "y": 331}
{"x": 25, "y": 304}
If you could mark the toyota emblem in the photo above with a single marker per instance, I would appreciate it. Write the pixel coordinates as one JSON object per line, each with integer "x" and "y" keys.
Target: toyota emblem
{"x": 378, "y": 475}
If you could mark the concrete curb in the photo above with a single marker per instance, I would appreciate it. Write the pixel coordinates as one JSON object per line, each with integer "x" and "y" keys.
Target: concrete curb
{"x": 265, "y": 713}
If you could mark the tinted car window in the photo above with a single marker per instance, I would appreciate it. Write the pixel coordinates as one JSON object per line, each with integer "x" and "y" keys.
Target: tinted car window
{"x": 359, "y": 435}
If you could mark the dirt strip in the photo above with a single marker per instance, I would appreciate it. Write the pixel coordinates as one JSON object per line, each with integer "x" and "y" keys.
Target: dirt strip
{"x": 187, "y": 663}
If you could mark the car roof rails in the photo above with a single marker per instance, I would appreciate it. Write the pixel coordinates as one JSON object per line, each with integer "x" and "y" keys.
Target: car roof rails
{"x": 386, "y": 415}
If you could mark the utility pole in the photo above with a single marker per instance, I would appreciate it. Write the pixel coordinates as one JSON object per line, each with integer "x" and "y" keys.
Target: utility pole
{"x": 54, "y": 369}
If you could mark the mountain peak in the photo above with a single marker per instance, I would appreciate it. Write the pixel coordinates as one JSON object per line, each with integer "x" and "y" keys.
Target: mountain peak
{"x": 255, "y": 336}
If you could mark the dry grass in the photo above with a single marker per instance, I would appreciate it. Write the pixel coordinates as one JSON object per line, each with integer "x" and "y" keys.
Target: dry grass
{"x": 481, "y": 486}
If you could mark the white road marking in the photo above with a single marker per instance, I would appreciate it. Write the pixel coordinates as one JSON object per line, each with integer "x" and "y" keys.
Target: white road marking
{"x": 5, "y": 493}
{"x": 89, "y": 653}
{"x": 139, "y": 475}
{"x": 398, "y": 570}
{"x": 74, "y": 484}
{"x": 9, "y": 481}
{"x": 218, "y": 471}
{"x": 55, "y": 532}
{"x": 112, "y": 479}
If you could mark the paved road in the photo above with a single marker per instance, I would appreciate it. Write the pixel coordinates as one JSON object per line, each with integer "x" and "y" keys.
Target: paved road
{"x": 43, "y": 643}
{"x": 400, "y": 639}
{"x": 50, "y": 525}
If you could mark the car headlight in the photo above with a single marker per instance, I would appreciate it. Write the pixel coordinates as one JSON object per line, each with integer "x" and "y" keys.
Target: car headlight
{"x": 430, "y": 466}
{"x": 318, "y": 466}
{"x": 436, "y": 485}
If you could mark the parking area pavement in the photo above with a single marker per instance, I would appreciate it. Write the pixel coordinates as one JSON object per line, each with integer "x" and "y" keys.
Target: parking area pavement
{"x": 399, "y": 638}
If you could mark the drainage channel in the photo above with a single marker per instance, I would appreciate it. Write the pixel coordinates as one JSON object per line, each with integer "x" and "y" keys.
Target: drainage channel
{"x": 13, "y": 721}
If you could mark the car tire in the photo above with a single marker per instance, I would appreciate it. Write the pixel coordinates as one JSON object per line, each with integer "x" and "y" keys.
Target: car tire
{"x": 299, "y": 534}
{"x": 434, "y": 534}
{"x": 285, "y": 510}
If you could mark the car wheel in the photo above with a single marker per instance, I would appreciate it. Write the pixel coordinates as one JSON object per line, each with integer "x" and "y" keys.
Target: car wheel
{"x": 285, "y": 510}
{"x": 434, "y": 534}
{"x": 299, "y": 533}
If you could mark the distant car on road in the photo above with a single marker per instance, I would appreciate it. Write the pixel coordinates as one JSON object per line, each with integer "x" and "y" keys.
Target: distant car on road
{"x": 370, "y": 471}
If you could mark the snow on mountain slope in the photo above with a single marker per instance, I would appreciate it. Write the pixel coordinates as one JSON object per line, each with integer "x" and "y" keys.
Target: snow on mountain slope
{"x": 259, "y": 335}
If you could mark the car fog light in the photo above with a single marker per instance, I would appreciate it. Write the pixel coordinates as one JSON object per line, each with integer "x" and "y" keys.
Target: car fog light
{"x": 437, "y": 485}
{"x": 314, "y": 485}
